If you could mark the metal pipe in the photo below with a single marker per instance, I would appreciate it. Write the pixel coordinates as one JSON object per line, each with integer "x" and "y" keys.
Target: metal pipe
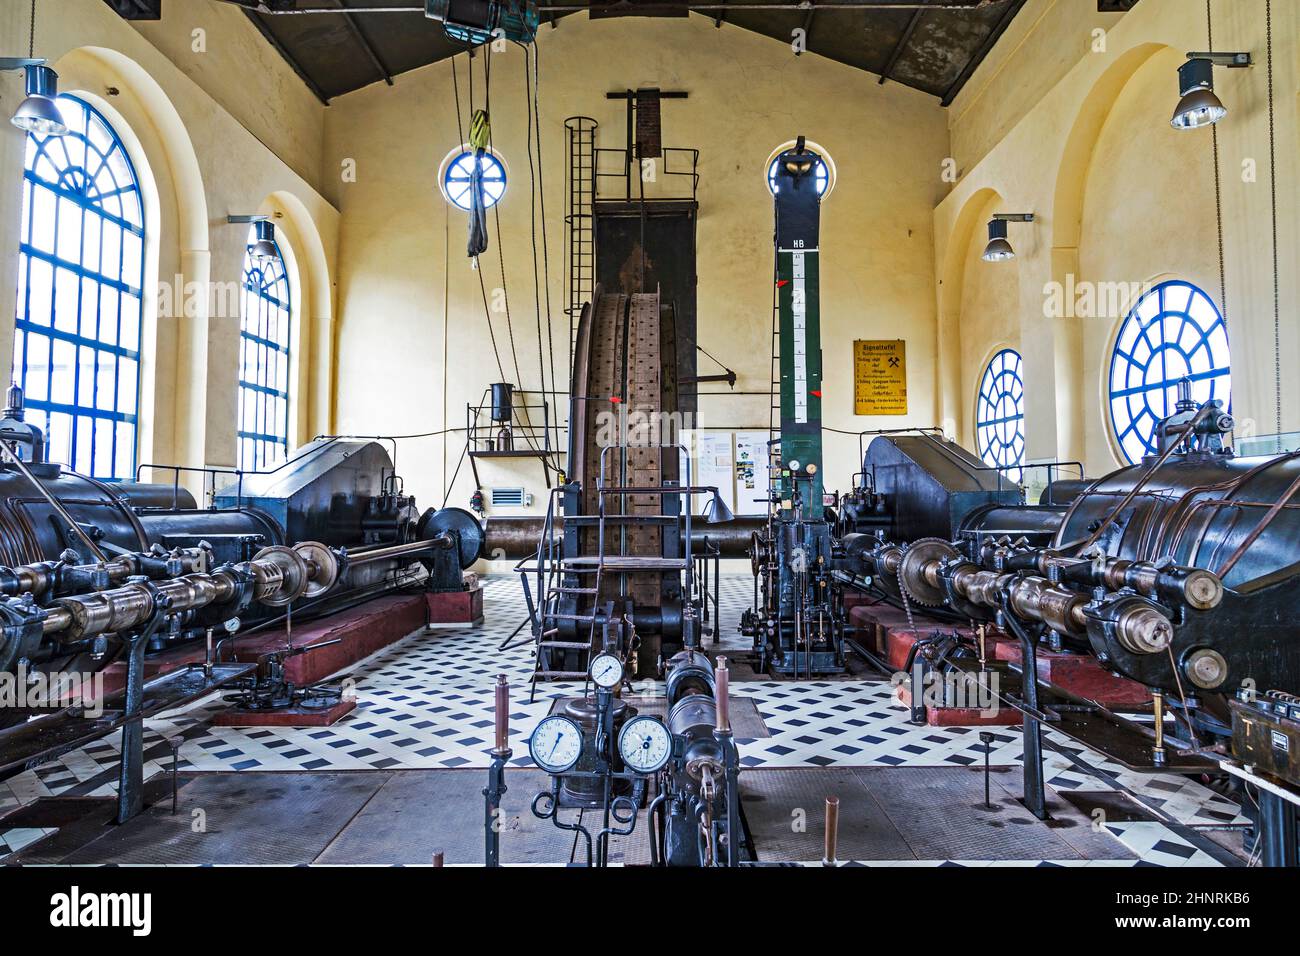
{"x": 278, "y": 576}
{"x": 515, "y": 538}
{"x": 832, "y": 830}
{"x": 442, "y": 542}
{"x": 721, "y": 692}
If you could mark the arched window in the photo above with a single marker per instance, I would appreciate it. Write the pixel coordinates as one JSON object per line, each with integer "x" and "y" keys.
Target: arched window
{"x": 1173, "y": 332}
{"x": 456, "y": 179}
{"x": 265, "y": 322}
{"x": 80, "y": 277}
{"x": 1000, "y": 414}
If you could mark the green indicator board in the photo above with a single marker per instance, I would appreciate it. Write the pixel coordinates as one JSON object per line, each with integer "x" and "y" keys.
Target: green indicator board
{"x": 801, "y": 364}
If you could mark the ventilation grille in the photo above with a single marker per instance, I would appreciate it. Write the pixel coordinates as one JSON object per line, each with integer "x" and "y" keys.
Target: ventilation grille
{"x": 510, "y": 498}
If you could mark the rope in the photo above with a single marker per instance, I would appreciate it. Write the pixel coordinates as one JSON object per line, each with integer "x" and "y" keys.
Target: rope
{"x": 460, "y": 134}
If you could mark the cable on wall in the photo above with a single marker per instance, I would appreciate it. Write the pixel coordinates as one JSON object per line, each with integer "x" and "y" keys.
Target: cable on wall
{"x": 1218, "y": 185}
{"x": 1272, "y": 181}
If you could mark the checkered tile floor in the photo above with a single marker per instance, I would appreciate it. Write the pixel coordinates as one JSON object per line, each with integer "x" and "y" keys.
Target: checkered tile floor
{"x": 426, "y": 702}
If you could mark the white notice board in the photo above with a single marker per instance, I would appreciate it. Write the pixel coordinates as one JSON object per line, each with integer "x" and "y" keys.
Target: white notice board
{"x": 752, "y": 487}
{"x": 712, "y": 463}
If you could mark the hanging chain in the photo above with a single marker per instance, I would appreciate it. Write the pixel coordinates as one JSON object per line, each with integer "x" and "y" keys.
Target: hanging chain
{"x": 31, "y": 40}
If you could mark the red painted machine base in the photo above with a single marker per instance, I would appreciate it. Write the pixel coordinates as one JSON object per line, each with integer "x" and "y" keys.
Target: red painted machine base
{"x": 887, "y": 632}
{"x": 288, "y": 717}
{"x": 1002, "y": 716}
{"x": 359, "y": 631}
{"x": 1080, "y": 675}
{"x": 456, "y": 607}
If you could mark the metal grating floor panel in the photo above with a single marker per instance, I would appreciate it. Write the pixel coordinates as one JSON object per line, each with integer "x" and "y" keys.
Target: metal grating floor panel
{"x": 912, "y": 814}
{"x": 940, "y": 813}
{"x": 417, "y": 812}
{"x": 786, "y": 813}
{"x": 248, "y": 818}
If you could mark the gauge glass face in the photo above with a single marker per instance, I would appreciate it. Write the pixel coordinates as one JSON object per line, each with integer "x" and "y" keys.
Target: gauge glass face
{"x": 606, "y": 670}
{"x": 645, "y": 744}
{"x": 556, "y": 744}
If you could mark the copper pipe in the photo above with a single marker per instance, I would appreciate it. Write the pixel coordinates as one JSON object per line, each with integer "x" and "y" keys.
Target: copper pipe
{"x": 832, "y": 830}
{"x": 502, "y": 714}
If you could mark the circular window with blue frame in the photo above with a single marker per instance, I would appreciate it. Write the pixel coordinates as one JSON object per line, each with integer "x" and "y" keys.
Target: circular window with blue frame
{"x": 1174, "y": 331}
{"x": 457, "y": 174}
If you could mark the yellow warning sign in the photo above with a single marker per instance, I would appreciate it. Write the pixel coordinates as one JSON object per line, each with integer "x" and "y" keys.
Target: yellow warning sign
{"x": 879, "y": 377}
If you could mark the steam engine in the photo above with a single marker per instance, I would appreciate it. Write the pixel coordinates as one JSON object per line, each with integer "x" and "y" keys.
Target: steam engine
{"x": 1178, "y": 572}
{"x": 83, "y": 561}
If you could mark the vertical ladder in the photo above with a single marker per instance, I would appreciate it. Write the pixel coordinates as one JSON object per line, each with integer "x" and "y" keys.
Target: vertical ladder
{"x": 579, "y": 218}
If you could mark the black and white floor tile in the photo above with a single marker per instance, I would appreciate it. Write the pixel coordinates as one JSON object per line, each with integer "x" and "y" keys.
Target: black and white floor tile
{"x": 426, "y": 703}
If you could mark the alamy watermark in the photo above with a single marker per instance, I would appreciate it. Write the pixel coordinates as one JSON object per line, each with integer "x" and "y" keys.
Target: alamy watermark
{"x": 1075, "y": 299}
{"x": 641, "y": 428}
{"x": 179, "y": 299}
{"x": 40, "y": 690}
{"x": 958, "y": 689}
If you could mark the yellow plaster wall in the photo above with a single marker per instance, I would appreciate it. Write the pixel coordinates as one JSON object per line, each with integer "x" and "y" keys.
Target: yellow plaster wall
{"x": 990, "y": 309}
{"x": 1040, "y": 46}
{"x": 408, "y": 297}
{"x": 216, "y": 46}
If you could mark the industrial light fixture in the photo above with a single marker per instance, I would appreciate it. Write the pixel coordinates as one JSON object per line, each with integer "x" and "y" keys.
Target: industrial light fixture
{"x": 716, "y": 510}
{"x": 263, "y": 248}
{"x": 1198, "y": 105}
{"x": 38, "y": 113}
{"x": 998, "y": 248}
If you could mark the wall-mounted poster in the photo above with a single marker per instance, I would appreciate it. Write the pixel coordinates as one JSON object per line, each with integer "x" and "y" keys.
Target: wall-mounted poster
{"x": 751, "y": 473}
{"x": 879, "y": 377}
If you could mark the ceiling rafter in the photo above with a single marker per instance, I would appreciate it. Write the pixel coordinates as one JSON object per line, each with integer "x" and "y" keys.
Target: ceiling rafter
{"x": 930, "y": 45}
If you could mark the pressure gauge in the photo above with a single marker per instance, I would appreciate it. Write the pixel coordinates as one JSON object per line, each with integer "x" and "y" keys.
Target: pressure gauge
{"x": 607, "y": 671}
{"x": 556, "y": 744}
{"x": 645, "y": 744}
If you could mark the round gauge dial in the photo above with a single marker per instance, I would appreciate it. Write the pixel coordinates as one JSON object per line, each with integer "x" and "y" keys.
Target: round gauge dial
{"x": 556, "y": 744}
{"x": 645, "y": 744}
{"x": 607, "y": 671}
